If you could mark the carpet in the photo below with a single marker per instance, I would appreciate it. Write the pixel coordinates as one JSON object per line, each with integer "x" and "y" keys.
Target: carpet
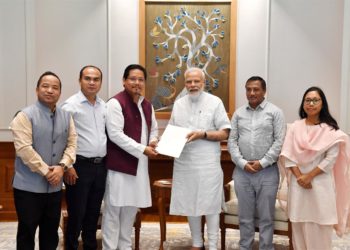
{"x": 178, "y": 238}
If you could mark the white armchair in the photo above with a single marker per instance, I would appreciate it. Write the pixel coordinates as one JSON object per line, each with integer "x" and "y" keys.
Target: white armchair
{"x": 229, "y": 217}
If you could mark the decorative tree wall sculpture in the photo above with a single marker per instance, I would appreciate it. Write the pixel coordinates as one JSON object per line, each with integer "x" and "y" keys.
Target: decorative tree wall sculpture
{"x": 180, "y": 37}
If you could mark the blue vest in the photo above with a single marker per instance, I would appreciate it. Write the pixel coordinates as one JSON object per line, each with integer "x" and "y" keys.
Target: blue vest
{"x": 50, "y": 136}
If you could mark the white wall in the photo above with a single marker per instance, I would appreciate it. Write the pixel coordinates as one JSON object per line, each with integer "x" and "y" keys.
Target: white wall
{"x": 345, "y": 82}
{"x": 305, "y": 50}
{"x": 13, "y": 88}
{"x": 123, "y": 40}
{"x": 252, "y": 43}
{"x": 39, "y": 35}
{"x": 291, "y": 43}
{"x": 65, "y": 36}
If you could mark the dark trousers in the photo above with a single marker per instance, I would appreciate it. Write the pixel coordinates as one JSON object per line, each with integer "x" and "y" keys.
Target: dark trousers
{"x": 34, "y": 210}
{"x": 84, "y": 203}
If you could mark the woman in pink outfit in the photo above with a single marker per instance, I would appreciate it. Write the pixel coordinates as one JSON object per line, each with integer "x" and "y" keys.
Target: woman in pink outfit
{"x": 316, "y": 160}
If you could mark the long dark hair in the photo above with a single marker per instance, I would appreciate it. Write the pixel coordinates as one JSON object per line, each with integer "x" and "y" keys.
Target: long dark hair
{"x": 325, "y": 116}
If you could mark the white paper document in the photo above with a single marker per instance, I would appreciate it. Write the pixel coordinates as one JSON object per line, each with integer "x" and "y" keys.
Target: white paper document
{"x": 173, "y": 141}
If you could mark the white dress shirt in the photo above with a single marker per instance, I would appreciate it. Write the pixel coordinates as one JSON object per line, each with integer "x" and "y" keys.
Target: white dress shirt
{"x": 257, "y": 134}
{"x": 90, "y": 123}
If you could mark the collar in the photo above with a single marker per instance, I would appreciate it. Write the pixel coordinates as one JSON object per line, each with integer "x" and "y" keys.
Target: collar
{"x": 44, "y": 107}
{"x": 82, "y": 98}
{"x": 141, "y": 99}
{"x": 262, "y": 105}
{"x": 130, "y": 97}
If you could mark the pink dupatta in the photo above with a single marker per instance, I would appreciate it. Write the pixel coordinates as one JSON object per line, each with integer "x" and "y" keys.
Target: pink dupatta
{"x": 301, "y": 147}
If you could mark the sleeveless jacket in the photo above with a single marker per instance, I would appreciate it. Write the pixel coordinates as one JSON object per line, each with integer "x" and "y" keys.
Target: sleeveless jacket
{"x": 50, "y": 135}
{"x": 117, "y": 158}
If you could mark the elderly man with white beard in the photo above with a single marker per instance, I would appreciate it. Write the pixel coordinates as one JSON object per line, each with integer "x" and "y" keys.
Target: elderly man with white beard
{"x": 197, "y": 176}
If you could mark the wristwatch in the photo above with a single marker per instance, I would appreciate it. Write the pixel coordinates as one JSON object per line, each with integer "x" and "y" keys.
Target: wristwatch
{"x": 64, "y": 166}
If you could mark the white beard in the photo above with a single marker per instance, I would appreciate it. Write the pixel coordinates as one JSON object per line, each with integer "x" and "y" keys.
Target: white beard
{"x": 194, "y": 97}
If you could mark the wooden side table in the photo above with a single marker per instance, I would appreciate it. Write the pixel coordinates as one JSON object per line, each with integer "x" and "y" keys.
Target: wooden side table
{"x": 163, "y": 192}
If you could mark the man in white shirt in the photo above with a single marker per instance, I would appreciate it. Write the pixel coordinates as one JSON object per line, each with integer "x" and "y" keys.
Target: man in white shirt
{"x": 197, "y": 176}
{"x": 255, "y": 142}
{"x": 85, "y": 182}
{"x": 132, "y": 135}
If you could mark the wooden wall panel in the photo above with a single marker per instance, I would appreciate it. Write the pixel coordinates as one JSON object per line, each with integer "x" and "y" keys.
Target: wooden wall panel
{"x": 9, "y": 172}
{"x": 7, "y": 156}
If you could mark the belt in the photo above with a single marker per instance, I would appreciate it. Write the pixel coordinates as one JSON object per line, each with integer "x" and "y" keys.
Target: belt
{"x": 94, "y": 160}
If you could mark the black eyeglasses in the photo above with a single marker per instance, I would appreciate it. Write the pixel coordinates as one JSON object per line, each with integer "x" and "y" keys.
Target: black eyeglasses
{"x": 314, "y": 101}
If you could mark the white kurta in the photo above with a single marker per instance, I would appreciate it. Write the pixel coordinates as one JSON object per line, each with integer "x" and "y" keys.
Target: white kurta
{"x": 318, "y": 204}
{"x": 197, "y": 177}
{"x": 123, "y": 189}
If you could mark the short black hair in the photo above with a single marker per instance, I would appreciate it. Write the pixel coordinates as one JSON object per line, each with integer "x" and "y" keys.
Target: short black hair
{"x": 89, "y": 66}
{"x": 132, "y": 67}
{"x": 258, "y": 78}
{"x": 48, "y": 73}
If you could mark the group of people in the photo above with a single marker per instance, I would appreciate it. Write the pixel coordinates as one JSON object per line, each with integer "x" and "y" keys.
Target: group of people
{"x": 100, "y": 150}
{"x": 314, "y": 156}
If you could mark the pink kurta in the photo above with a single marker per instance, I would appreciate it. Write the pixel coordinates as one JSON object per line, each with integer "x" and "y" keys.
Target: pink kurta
{"x": 329, "y": 200}
{"x": 318, "y": 204}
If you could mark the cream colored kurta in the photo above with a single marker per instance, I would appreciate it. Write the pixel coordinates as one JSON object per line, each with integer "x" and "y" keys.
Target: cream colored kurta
{"x": 123, "y": 189}
{"x": 318, "y": 204}
{"x": 197, "y": 177}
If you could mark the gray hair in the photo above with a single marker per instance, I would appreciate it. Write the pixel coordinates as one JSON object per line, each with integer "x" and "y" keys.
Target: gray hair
{"x": 192, "y": 69}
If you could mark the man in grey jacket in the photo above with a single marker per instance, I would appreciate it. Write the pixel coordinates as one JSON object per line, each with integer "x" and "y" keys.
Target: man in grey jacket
{"x": 45, "y": 142}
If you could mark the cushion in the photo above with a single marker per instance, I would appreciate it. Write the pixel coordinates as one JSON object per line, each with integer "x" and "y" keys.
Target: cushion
{"x": 231, "y": 206}
{"x": 280, "y": 214}
{"x": 233, "y": 220}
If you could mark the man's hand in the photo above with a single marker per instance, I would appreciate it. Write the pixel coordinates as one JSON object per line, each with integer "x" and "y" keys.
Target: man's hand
{"x": 253, "y": 167}
{"x": 153, "y": 143}
{"x": 70, "y": 176}
{"x": 150, "y": 151}
{"x": 55, "y": 174}
{"x": 195, "y": 135}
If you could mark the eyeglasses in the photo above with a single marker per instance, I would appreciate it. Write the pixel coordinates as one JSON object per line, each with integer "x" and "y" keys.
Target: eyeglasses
{"x": 134, "y": 79}
{"x": 313, "y": 101}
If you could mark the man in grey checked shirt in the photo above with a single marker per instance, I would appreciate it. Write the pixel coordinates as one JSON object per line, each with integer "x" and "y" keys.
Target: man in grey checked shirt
{"x": 255, "y": 142}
